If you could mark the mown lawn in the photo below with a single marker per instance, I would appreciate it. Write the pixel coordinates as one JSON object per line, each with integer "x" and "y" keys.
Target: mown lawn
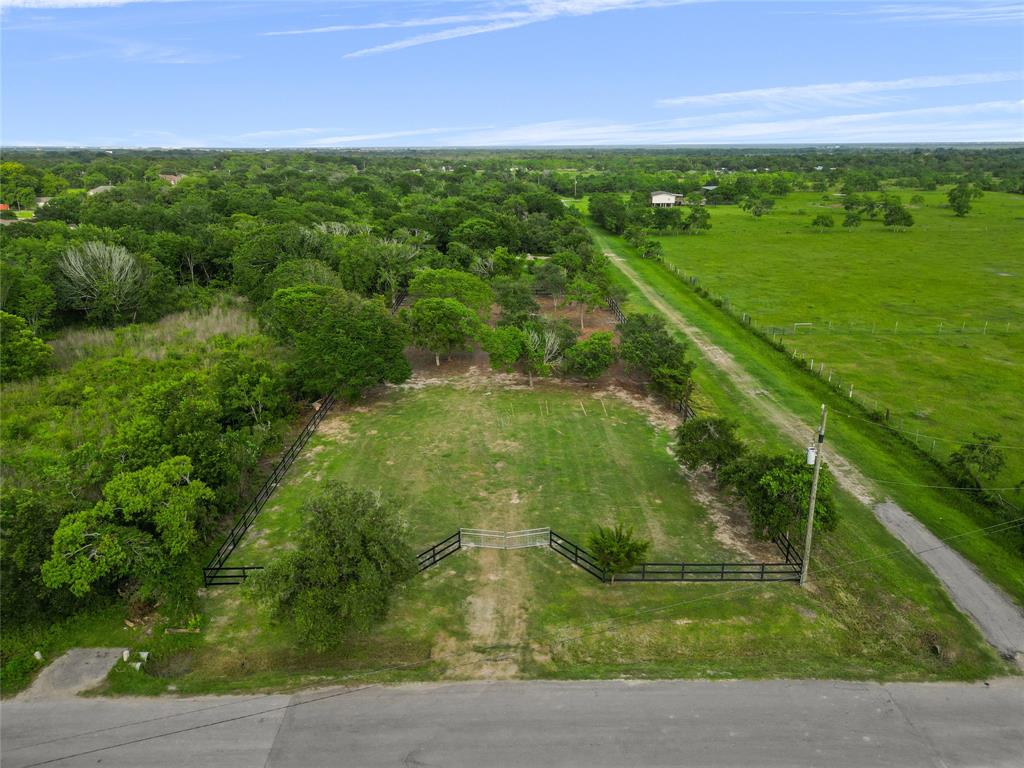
{"x": 484, "y": 455}
{"x": 901, "y": 316}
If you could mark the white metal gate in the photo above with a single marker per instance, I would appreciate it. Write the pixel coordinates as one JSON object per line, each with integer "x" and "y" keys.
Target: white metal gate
{"x": 478, "y": 537}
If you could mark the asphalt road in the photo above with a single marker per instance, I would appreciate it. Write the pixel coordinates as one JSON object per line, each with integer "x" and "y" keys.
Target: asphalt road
{"x": 592, "y": 724}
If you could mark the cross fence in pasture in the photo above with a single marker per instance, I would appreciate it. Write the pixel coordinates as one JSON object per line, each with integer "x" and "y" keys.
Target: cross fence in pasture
{"x": 787, "y": 569}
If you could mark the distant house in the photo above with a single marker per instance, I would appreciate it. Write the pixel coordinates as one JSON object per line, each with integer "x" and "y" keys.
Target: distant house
{"x": 41, "y": 201}
{"x": 662, "y": 199}
{"x": 171, "y": 178}
{"x": 100, "y": 189}
{"x": 4, "y": 207}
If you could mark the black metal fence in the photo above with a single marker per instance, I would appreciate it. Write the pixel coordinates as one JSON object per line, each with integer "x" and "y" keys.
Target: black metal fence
{"x": 439, "y": 551}
{"x": 215, "y": 573}
{"x": 788, "y": 570}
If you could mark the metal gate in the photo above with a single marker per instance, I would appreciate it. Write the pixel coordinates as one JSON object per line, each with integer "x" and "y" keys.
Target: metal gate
{"x": 478, "y": 537}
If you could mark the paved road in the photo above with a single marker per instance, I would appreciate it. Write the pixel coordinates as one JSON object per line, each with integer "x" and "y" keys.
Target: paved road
{"x": 1000, "y": 620}
{"x": 592, "y": 724}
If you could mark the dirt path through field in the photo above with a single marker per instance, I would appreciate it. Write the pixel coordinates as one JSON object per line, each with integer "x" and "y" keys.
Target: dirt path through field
{"x": 996, "y": 615}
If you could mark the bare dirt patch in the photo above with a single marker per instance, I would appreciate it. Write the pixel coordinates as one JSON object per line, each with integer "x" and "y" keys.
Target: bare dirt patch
{"x": 336, "y": 427}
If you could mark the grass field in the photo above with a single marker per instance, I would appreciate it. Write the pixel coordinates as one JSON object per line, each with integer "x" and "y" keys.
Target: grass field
{"x": 900, "y": 316}
{"x": 481, "y": 454}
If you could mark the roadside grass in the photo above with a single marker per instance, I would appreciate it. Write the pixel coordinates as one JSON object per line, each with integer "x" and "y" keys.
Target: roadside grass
{"x": 873, "y": 449}
{"x": 908, "y": 310}
{"x": 493, "y": 457}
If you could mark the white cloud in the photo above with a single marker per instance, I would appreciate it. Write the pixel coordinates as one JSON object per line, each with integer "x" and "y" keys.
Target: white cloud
{"x": 47, "y": 4}
{"x": 280, "y": 133}
{"x": 999, "y": 121}
{"x": 855, "y": 92}
{"x": 965, "y": 13}
{"x": 516, "y": 13}
{"x": 364, "y": 138}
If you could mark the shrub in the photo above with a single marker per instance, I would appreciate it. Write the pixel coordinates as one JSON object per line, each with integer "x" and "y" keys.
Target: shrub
{"x": 617, "y": 549}
{"x": 22, "y": 353}
{"x": 590, "y": 358}
{"x": 777, "y": 491}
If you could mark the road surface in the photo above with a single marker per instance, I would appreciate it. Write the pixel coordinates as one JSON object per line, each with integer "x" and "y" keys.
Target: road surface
{"x": 998, "y": 618}
{"x": 592, "y": 724}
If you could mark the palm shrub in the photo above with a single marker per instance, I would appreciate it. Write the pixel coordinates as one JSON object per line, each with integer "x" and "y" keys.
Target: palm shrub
{"x": 616, "y": 550}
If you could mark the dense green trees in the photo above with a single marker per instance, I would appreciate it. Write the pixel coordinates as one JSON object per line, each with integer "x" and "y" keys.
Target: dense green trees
{"x": 466, "y": 288}
{"x": 146, "y": 522}
{"x": 342, "y": 343}
{"x": 707, "y": 442}
{"x": 647, "y": 347}
{"x": 350, "y": 558}
{"x": 775, "y": 488}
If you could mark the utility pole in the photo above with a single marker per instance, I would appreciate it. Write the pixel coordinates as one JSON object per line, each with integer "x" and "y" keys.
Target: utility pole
{"x": 817, "y": 448}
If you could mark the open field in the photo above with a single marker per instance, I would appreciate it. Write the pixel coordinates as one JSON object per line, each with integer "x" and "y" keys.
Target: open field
{"x": 476, "y": 452}
{"x": 900, "y": 316}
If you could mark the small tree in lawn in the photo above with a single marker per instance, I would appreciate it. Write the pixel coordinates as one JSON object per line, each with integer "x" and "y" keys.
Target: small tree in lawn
{"x": 708, "y": 442}
{"x": 584, "y": 294}
{"x": 442, "y": 326}
{"x": 350, "y": 558}
{"x": 852, "y": 220}
{"x": 617, "y": 549}
{"x": 823, "y": 221}
{"x": 776, "y": 491}
{"x": 699, "y": 220}
{"x": 961, "y": 196}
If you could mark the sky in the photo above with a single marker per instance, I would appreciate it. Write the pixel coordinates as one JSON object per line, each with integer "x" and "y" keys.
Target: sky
{"x": 423, "y": 73}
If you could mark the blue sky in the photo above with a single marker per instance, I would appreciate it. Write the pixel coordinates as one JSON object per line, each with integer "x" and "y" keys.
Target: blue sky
{"x": 300, "y": 73}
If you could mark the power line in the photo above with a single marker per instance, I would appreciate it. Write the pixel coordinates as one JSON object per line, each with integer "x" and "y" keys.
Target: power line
{"x": 609, "y": 624}
{"x": 948, "y": 487}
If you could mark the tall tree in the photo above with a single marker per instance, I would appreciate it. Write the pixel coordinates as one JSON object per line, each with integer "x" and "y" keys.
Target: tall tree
{"x": 442, "y": 326}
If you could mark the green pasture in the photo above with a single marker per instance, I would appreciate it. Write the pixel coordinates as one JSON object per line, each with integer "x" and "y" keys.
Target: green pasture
{"x": 494, "y": 457}
{"x": 928, "y": 323}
